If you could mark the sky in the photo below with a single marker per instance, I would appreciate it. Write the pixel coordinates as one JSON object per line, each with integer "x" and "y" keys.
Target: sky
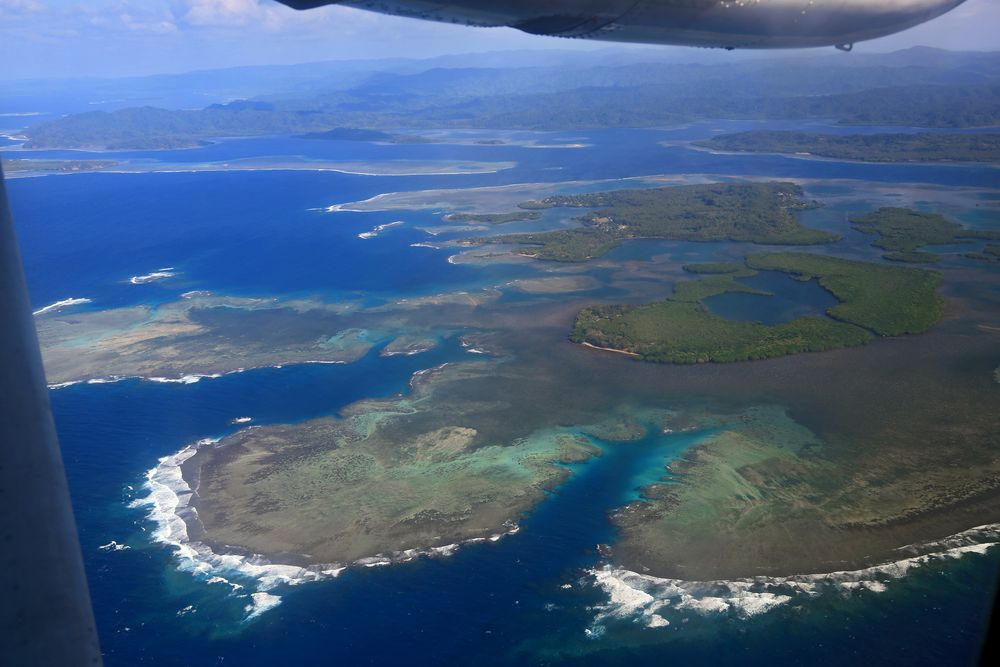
{"x": 108, "y": 38}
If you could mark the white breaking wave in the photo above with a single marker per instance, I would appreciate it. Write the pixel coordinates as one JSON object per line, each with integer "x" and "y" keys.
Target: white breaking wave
{"x": 187, "y": 379}
{"x": 153, "y": 276}
{"x": 337, "y": 208}
{"x": 168, "y": 504}
{"x": 261, "y": 602}
{"x": 111, "y": 379}
{"x": 378, "y": 229}
{"x": 59, "y": 305}
{"x": 642, "y": 597}
{"x": 60, "y": 385}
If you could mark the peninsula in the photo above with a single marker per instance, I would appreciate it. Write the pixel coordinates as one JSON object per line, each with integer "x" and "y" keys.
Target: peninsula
{"x": 874, "y": 300}
{"x": 904, "y": 232}
{"x": 908, "y": 147}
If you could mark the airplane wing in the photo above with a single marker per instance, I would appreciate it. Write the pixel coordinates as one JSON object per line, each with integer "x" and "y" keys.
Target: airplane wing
{"x": 729, "y": 24}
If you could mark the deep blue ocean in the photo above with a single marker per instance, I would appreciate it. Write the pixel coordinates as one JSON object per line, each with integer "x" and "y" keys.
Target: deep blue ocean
{"x": 523, "y": 600}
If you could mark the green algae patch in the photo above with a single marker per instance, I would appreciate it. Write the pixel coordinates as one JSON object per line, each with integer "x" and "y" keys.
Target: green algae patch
{"x": 387, "y": 476}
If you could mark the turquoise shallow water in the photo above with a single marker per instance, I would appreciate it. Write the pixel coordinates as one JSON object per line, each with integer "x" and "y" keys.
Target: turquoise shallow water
{"x": 493, "y": 604}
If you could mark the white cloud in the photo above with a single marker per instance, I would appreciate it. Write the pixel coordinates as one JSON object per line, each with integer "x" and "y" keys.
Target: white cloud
{"x": 154, "y": 26}
{"x": 253, "y": 14}
{"x": 222, "y": 12}
{"x": 22, "y": 7}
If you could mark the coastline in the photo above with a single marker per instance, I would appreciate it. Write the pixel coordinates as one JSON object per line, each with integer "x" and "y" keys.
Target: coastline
{"x": 634, "y": 355}
{"x": 645, "y": 597}
{"x": 692, "y": 145}
{"x": 170, "y": 504}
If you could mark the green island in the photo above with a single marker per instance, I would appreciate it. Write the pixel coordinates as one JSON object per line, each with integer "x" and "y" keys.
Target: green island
{"x": 356, "y": 134}
{"x": 903, "y": 232}
{"x": 919, "y": 147}
{"x": 493, "y": 218}
{"x": 719, "y": 268}
{"x": 875, "y": 299}
{"x": 913, "y": 88}
{"x": 754, "y": 212}
{"x": 990, "y": 253}
{"x": 17, "y": 166}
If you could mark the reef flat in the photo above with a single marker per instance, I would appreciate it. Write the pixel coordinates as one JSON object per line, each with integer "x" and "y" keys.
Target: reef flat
{"x": 802, "y": 463}
{"x": 202, "y": 335}
{"x": 386, "y": 477}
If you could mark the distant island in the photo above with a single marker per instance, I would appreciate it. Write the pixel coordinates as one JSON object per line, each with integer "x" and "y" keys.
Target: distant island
{"x": 914, "y": 88}
{"x": 20, "y": 166}
{"x": 754, "y": 212}
{"x": 493, "y": 218}
{"x": 919, "y": 147}
{"x": 903, "y": 232}
{"x": 875, "y": 300}
{"x": 357, "y": 134}
{"x": 990, "y": 253}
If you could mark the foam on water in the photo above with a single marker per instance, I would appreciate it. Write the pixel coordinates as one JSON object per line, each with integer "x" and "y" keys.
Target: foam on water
{"x": 261, "y": 602}
{"x": 337, "y": 208}
{"x": 59, "y": 305}
{"x": 378, "y": 229}
{"x": 186, "y": 379}
{"x": 154, "y": 276}
{"x": 168, "y": 503}
{"x": 643, "y": 598}
{"x": 191, "y": 378}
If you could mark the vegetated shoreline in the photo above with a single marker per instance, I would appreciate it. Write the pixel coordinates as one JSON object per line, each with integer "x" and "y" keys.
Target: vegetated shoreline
{"x": 958, "y": 148}
{"x": 759, "y": 212}
{"x": 681, "y": 330}
{"x": 693, "y": 145}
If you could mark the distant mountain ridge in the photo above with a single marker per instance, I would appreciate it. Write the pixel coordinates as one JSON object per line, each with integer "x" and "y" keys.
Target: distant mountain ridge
{"x": 917, "y": 87}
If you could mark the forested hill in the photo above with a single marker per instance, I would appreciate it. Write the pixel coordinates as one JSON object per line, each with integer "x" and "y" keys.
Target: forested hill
{"x": 917, "y": 87}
